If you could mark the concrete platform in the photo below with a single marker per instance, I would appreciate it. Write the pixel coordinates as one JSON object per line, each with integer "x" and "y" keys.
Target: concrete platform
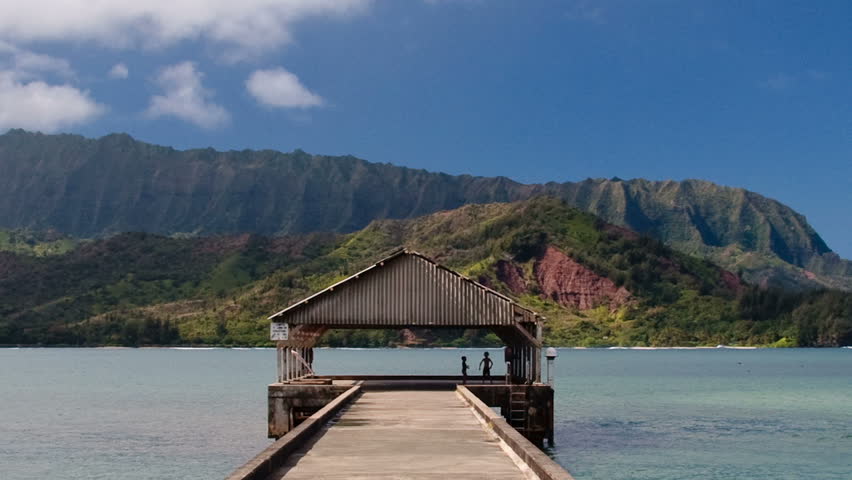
{"x": 403, "y": 435}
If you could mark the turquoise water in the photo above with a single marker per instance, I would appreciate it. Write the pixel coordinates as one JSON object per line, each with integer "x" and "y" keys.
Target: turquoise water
{"x": 621, "y": 414}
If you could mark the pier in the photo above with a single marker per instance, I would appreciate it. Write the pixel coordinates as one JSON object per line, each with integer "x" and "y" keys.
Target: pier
{"x": 407, "y": 426}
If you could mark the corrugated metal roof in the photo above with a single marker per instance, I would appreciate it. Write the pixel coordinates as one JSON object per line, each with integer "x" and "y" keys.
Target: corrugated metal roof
{"x": 406, "y": 289}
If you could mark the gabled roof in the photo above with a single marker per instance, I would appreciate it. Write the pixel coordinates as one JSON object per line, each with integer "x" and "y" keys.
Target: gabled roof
{"x": 406, "y": 289}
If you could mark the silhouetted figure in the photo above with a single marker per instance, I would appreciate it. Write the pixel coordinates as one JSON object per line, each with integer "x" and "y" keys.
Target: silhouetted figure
{"x": 485, "y": 365}
{"x": 464, "y": 370}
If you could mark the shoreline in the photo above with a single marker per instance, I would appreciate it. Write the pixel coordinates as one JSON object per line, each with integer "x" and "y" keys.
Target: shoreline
{"x": 247, "y": 348}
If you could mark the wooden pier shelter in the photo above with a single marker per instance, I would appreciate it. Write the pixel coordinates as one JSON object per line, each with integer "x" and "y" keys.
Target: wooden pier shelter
{"x": 403, "y": 290}
{"x": 409, "y": 290}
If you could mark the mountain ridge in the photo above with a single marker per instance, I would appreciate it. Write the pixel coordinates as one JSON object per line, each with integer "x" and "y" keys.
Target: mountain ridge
{"x": 596, "y": 283}
{"x": 95, "y": 187}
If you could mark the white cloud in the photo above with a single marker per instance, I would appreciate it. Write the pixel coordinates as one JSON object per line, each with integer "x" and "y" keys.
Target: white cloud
{"x": 36, "y": 105}
{"x": 186, "y": 98}
{"x": 28, "y": 101}
{"x": 279, "y": 88}
{"x": 239, "y": 30}
{"x": 118, "y": 71}
{"x": 29, "y": 64}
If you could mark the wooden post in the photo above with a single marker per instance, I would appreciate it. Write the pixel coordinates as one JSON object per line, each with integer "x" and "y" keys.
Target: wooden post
{"x": 304, "y": 359}
{"x": 515, "y": 353}
{"x": 278, "y": 363}
{"x": 297, "y": 368}
{"x": 537, "y": 353}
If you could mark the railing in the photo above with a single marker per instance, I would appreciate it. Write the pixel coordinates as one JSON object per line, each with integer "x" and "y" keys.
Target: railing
{"x": 542, "y": 465}
{"x": 274, "y": 456}
{"x": 292, "y": 364}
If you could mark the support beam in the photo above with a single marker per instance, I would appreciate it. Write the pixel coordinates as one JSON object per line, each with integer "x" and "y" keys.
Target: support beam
{"x": 520, "y": 330}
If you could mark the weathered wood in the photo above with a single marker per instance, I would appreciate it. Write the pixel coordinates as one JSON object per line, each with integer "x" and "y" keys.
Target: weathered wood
{"x": 276, "y": 454}
{"x": 408, "y": 290}
{"x": 402, "y": 434}
{"x": 541, "y": 464}
{"x": 286, "y": 400}
{"x": 399, "y": 432}
{"x": 536, "y": 402}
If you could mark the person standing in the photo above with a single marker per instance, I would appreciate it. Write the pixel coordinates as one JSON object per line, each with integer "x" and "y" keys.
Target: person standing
{"x": 464, "y": 370}
{"x": 485, "y": 365}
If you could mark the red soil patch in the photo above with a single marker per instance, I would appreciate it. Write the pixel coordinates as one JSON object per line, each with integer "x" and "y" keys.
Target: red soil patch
{"x": 570, "y": 284}
{"x": 731, "y": 281}
{"x": 512, "y": 275}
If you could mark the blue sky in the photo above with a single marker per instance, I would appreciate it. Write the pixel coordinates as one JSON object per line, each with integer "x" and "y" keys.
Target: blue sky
{"x": 749, "y": 94}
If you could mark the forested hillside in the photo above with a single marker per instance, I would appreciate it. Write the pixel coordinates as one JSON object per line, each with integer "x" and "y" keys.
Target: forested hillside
{"x": 597, "y": 283}
{"x": 94, "y": 188}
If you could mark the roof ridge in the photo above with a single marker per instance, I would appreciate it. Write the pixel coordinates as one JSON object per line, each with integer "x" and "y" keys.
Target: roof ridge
{"x": 393, "y": 255}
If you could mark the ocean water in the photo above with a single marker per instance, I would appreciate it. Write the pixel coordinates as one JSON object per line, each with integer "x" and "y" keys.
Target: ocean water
{"x": 621, "y": 414}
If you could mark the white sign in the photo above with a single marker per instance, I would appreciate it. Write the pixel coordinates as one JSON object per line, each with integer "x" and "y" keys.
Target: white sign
{"x": 279, "y": 331}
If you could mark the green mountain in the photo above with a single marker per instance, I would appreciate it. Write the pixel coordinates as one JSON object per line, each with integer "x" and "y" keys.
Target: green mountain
{"x": 597, "y": 283}
{"x": 92, "y": 188}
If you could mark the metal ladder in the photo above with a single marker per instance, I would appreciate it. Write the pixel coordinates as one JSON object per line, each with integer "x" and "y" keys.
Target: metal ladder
{"x": 518, "y": 409}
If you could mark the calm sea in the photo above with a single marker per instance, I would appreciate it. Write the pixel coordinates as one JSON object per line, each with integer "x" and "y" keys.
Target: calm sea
{"x": 621, "y": 414}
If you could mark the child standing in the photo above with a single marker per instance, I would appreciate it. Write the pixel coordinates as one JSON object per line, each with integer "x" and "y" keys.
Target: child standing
{"x": 485, "y": 365}
{"x": 464, "y": 370}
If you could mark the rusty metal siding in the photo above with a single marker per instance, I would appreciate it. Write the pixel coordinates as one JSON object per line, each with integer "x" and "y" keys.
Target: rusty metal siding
{"x": 404, "y": 290}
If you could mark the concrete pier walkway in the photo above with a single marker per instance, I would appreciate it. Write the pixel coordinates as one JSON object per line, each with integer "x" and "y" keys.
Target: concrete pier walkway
{"x": 403, "y": 434}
